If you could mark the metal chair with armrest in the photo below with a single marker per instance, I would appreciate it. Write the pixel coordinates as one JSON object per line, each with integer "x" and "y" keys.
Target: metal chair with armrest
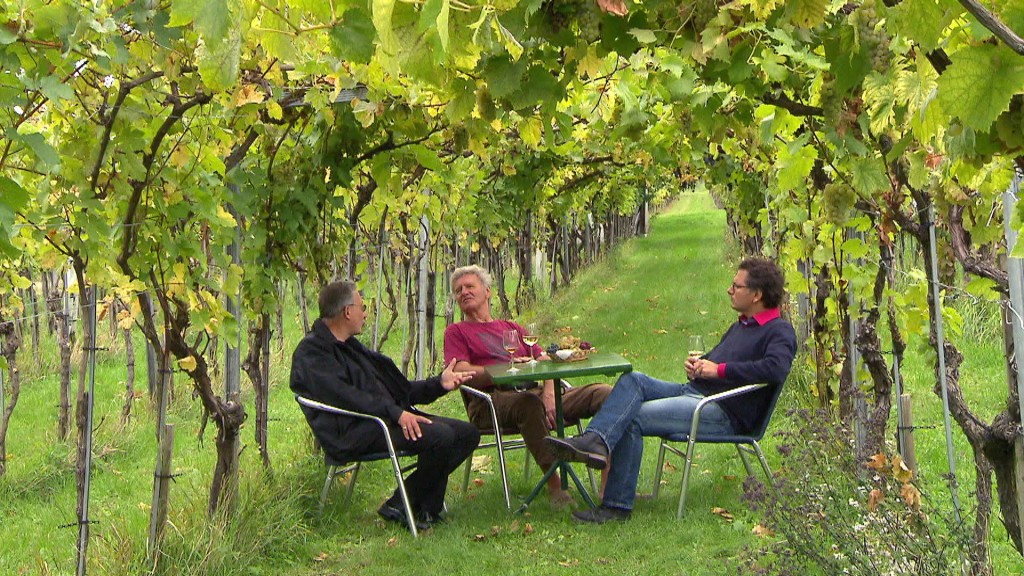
{"x": 503, "y": 443}
{"x": 337, "y": 467}
{"x": 744, "y": 442}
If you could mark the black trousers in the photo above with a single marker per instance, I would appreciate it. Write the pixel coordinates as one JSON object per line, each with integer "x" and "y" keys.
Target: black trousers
{"x": 445, "y": 444}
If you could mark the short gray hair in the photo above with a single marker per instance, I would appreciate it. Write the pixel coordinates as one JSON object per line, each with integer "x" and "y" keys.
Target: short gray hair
{"x": 335, "y": 296}
{"x": 481, "y": 273}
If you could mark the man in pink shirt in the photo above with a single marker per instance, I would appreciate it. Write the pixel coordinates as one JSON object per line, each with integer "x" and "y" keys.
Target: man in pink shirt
{"x": 477, "y": 342}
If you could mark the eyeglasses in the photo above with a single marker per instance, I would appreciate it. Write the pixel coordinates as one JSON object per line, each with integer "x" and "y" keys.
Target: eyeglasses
{"x": 363, "y": 305}
{"x": 734, "y": 287}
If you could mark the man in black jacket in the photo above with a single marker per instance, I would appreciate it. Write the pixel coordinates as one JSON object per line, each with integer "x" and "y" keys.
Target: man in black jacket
{"x": 331, "y": 366}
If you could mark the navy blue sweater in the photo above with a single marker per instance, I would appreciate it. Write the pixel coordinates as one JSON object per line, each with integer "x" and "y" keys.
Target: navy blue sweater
{"x": 753, "y": 354}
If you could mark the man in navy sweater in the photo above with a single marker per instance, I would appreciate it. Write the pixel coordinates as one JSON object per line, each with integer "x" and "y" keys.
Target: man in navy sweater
{"x": 758, "y": 348}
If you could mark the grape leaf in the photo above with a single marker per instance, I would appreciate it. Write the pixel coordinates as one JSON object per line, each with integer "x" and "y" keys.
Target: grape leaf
{"x": 868, "y": 176}
{"x": 352, "y": 39}
{"x": 54, "y": 89}
{"x": 212, "y": 18}
{"x": 434, "y": 16}
{"x": 807, "y": 13}
{"x": 924, "y": 21}
{"x": 382, "y": 12}
{"x": 39, "y": 146}
{"x": 503, "y": 75}
{"x": 848, "y": 62}
{"x": 462, "y": 100}
{"x": 219, "y": 61}
{"x": 794, "y": 163}
{"x": 978, "y": 85}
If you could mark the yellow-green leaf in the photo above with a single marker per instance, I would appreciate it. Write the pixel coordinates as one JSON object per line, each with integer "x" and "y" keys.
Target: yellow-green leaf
{"x": 530, "y": 131}
{"x": 978, "y": 85}
{"x": 188, "y": 364}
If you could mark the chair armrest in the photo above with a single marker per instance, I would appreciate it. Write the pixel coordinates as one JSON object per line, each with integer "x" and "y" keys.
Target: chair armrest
{"x": 302, "y": 400}
{"x": 715, "y": 397}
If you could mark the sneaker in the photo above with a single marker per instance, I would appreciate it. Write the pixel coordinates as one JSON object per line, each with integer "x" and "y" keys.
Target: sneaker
{"x": 602, "y": 514}
{"x": 588, "y": 448}
{"x": 394, "y": 514}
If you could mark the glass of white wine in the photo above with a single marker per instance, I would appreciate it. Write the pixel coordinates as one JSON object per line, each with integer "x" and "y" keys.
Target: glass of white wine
{"x": 510, "y": 341}
{"x": 530, "y": 338}
{"x": 696, "y": 349}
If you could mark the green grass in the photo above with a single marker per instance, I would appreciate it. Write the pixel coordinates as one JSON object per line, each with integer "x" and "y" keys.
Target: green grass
{"x": 642, "y": 301}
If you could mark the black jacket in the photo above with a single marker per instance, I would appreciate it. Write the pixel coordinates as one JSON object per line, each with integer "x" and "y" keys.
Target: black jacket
{"x": 350, "y": 376}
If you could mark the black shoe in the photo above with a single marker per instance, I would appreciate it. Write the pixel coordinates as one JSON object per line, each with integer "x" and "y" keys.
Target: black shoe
{"x": 602, "y": 514}
{"x": 430, "y": 519}
{"x": 397, "y": 515}
{"x": 588, "y": 448}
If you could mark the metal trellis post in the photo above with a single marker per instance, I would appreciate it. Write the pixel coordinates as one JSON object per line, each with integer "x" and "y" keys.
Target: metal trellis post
{"x": 940, "y": 345}
{"x": 1015, "y": 274}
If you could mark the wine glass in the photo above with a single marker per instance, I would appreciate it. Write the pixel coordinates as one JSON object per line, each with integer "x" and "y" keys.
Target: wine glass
{"x": 510, "y": 342}
{"x": 696, "y": 349}
{"x": 530, "y": 338}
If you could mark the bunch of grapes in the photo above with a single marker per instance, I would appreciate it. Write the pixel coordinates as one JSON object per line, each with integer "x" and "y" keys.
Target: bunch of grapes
{"x": 871, "y": 35}
{"x": 561, "y": 12}
{"x": 838, "y": 199}
{"x": 588, "y": 19}
{"x": 585, "y": 13}
{"x": 1010, "y": 124}
{"x": 831, "y": 102}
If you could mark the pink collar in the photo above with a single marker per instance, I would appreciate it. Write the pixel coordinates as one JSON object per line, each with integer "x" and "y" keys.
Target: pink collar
{"x": 761, "y": 318}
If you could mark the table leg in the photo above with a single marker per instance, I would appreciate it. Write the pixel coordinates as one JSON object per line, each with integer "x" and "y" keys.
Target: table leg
{"x": 567, "y": 471}
{"x": 560, "y": 430}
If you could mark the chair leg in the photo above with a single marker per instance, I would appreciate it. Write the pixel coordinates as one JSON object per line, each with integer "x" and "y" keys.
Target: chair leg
{"x": 501, "y": 464}
{"x": 658, "y": 469}
{"x": 352, "y": 482}
{"x": 410, "y": 520}
{"x": 465, "y": 476}
{"x": 742, "y": 450}
{"x": 764, "y": 465}
{"x": 527, "y": 469}
{"x": 327, "y": 487}
{"x": 686, "y": 477}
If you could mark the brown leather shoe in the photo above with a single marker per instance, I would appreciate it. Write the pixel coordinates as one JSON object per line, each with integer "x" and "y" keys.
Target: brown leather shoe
{"x": 588, "y": 448}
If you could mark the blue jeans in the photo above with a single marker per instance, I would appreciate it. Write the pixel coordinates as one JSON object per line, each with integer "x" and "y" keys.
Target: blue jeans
{"x": 643, "y": 406}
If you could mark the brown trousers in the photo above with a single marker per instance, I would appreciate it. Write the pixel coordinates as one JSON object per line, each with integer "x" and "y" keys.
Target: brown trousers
{"x": 524, "y": 411}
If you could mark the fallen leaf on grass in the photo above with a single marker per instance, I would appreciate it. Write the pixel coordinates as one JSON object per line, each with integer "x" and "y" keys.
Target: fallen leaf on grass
{"x": 392, "y": 541}
{"x": 478, "y": 482}
{"x": 528, "y": 529}
{"x": 479, "y": 538}
{"x": 725, "y": 514}
{"x": 668, "y": 466}
{"x": 569, "y": 563}
{"x": 761, "y": 531}
{"x": 729, "y": 477}
{"x": 320, "y": 557}
{"x": 660, "y": 331}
